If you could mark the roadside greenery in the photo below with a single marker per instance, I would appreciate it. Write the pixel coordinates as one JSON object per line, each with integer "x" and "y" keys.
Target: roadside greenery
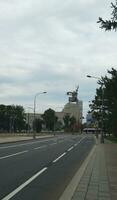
{"x": 112, "y": 139}
{"x": 70, "y": 124}
{"x": 50, "y": 119}
{"x": 111, "y": 24}
{"x": 12, "y": 118}
{"x": 104, "y": 106}
{"x": 37, "y": 123}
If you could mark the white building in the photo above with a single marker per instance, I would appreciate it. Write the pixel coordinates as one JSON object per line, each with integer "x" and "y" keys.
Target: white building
{"x": 30, "y": 119}
{"x": 74, "y": 109}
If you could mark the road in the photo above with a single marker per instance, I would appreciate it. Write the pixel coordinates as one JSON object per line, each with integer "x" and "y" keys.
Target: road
{"x": 41, "y": 169}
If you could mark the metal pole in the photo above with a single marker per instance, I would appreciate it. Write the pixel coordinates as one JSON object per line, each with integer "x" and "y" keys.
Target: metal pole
{"x": 102, "y": 135}
{"x": 34, "y": 125}
{"x": 28, "y": 123}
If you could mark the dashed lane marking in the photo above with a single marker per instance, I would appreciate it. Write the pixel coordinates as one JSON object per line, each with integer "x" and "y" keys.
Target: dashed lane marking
{"x": 41, "y": 147}
{"x": 70, "y": 149}
{"x": 13, "y": 193}
{"x": 59, "y": 157}
{"x": 53, "y": 144}
{"x": 15, "y": 154}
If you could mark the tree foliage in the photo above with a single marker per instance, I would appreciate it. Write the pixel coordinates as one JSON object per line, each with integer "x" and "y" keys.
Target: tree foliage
{"x": 12, "y": 118}
{"x": 107, "y": 108}
{"x": 66, "y": 120}
{"x": 111, "y": 24}
{"x": 50, "y": 119}
{"x": 37, "y": 123}
{"x": 69, "y": 123}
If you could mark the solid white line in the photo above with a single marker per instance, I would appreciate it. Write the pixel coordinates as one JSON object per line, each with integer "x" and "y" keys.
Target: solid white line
{"x": 59, "y": 158}
{"x": 18, "y": 145}
{"x": 40, "y": 147}
{"x": 9, "y": 196}
{"x": 70, "y": 149}
{"x": 15, "y": 154}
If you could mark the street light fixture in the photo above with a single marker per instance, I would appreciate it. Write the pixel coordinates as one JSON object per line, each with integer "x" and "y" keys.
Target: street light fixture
{"x": 102, "y": 136}
{"x": 34, "y": 127}
{"x": 93, "y": 77}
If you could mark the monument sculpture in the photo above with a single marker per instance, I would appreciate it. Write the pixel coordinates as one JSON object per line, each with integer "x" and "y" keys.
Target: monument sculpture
{"x": 73, "y": 96}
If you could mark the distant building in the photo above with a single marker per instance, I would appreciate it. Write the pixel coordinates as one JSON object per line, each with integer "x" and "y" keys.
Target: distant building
{"x": 60, "y": 116}
{"x": 74, "y": 107}
{"x": 89, "y": 119}
{"x": 30, "y": 119}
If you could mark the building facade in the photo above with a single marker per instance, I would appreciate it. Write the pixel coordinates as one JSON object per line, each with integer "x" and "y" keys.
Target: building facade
{"x": 74, "y": 108}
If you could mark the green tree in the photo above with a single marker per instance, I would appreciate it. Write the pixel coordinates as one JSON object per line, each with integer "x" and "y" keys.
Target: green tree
{"x": 69, "y": 123}
{"x": 66, "y": 120}
{"x": 72, "y": 123}
{"x": 38, "y": 125}
{"x": 2, "y": 117}
{"x": 19, "y": 118}
{"x": 111, "y": 103}
{"x": 107, "y": 108}
{"x": 50, "y": 119}
{"x": 12, "y": 118}
{"x": 111, "y": 24}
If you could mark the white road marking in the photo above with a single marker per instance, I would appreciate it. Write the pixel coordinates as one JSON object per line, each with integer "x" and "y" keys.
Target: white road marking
{"x": 67, "y": 150}
{"x": 44, "y": 146}
{"x": 75, "y": 144}
{"x": 15, "y": 154}
{"x": 70, "y": 149}
{"x": 25, "y": 144}
{"x": 61, "y": 141}
{"x": 59, "y": 157}
{"x": 53, "y": 143}
{"x": 81, "y": 139}
{"x": 13, "y": 193}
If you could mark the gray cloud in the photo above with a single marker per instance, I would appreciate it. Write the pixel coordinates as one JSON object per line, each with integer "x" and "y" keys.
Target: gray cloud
{"x": 52, "y": 46}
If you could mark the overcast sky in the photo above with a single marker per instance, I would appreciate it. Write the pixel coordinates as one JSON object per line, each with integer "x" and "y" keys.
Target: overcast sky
{"x": 51, "y": 45}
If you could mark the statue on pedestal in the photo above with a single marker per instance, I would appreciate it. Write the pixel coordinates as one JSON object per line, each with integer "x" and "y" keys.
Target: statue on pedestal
{"x": 73, "y": 96}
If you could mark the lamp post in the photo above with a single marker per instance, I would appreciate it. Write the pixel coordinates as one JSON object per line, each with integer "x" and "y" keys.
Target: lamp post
{"x": 34, "y": 127}
{"x": 102, "y": 136}
{"x": 28, "y": 118}
{"x": 55, "y": 118}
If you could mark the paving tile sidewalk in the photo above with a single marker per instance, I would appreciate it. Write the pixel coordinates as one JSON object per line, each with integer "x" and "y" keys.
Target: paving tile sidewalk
{"x": 111, "y": 163}
{"x": 99, "y": 181}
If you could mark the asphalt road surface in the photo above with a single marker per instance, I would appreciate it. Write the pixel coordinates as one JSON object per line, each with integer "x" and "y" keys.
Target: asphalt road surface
{"x": 41, "y": 169}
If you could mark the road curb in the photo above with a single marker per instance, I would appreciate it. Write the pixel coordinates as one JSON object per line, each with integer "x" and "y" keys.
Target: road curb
{"x": 25, "y": 140}
{"x": 70, "y": 189}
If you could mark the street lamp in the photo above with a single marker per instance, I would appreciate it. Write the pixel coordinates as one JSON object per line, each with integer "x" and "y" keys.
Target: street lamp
{"x": 28, "y": 117}
{"x": 55, "y": 118}
{"x": 102, "y": 136}
{"x": 34, "y": 127}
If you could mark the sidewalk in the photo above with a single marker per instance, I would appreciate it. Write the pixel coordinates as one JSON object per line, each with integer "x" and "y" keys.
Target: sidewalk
{"x": 99, "y": 181}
